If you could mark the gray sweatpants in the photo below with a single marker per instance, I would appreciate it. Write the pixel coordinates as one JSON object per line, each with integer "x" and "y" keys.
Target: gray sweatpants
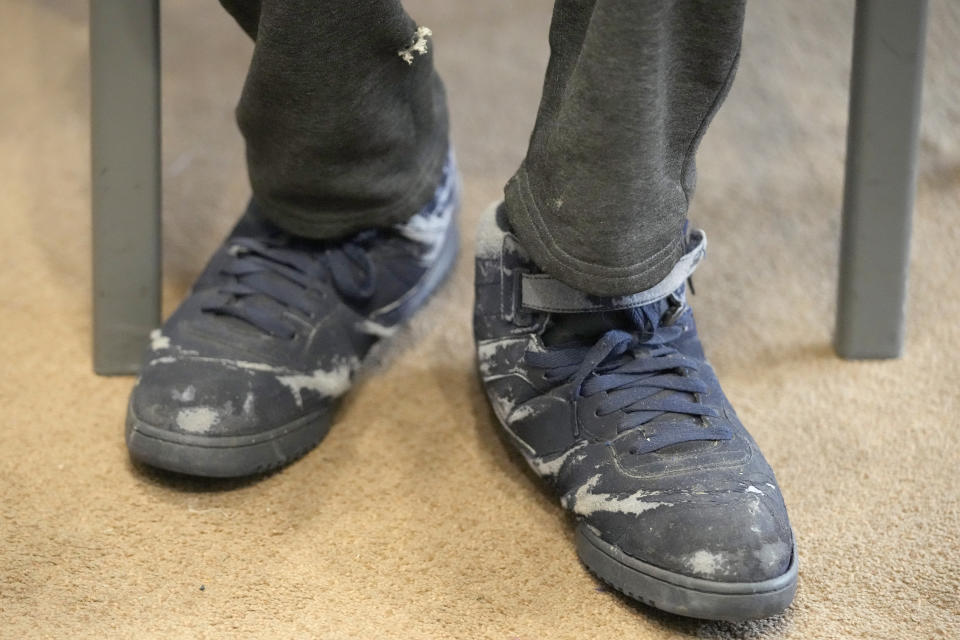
{"x": 344, "y": 133}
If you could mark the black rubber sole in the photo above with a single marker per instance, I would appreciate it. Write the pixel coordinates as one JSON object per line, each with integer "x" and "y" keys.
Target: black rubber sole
{"x": 226, "y": 457}
{"x": 684, "y": 595}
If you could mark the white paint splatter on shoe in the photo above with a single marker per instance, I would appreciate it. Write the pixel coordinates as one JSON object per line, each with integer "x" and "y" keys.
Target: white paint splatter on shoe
{"x": 705, "y": 563}
{"x": 329, "y": 383}
{"x": 548, "y": 468}
{"x": 158, "y": 341}
{"x": 187, "y": 395}
{"x": 585, "y": 503}
{"x": 198, "y": 419}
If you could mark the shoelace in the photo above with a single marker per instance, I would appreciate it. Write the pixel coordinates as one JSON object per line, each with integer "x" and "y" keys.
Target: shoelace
{"x": 255, "y": 265}
{"x": 634, "y": 369}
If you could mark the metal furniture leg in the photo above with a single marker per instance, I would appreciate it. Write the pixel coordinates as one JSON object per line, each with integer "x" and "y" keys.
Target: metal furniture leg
{"x": 126, "y": 179}
{"x": 885, "y": 88}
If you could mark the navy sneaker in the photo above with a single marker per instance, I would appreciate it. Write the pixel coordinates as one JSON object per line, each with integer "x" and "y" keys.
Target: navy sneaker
{"x": 245, "y": 376}
{"x": 613, "y": 402}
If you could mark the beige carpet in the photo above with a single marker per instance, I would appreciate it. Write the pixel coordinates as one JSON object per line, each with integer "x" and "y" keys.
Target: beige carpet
{"x": 411, "y": 520}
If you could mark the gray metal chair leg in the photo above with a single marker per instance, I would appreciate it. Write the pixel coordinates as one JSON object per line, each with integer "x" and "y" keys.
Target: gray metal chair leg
{"x": 126, "y": 180}
{"x": 885, "y": 88}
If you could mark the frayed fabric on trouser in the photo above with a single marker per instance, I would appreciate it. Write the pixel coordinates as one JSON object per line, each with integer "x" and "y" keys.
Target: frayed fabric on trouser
{"x": 346, "y": 127}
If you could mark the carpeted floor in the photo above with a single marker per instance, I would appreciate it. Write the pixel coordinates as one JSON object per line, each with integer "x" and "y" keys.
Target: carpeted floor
{"x": 412, "y": 520}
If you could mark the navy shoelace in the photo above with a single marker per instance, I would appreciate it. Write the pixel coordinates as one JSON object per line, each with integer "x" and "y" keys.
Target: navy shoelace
{"x": 634, "y": 369}
{"x": 260, "y": 272}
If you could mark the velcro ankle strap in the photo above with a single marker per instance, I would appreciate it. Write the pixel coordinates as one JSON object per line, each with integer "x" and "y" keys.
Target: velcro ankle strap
{"x": 541, "y": 292}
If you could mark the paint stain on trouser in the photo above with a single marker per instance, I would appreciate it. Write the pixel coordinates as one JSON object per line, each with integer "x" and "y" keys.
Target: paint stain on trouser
{"x": 417, "y": 45}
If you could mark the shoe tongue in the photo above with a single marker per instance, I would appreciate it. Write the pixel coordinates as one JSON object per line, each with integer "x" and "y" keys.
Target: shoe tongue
{"x": 253, "y": 224}
{"x": 571, "y": 328}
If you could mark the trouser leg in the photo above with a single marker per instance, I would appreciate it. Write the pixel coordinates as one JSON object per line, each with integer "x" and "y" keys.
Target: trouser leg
{"x": 342, "y": 132}
{"x": 602, "y": 196}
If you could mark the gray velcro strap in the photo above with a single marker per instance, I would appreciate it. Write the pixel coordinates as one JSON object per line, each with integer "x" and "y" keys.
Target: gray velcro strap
{"x": 542, "y": 292}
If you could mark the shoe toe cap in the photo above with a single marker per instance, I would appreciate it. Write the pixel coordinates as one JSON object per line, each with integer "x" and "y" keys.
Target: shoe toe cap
{"x": 206, "y": 399}
{"x": 740, "y": 538}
